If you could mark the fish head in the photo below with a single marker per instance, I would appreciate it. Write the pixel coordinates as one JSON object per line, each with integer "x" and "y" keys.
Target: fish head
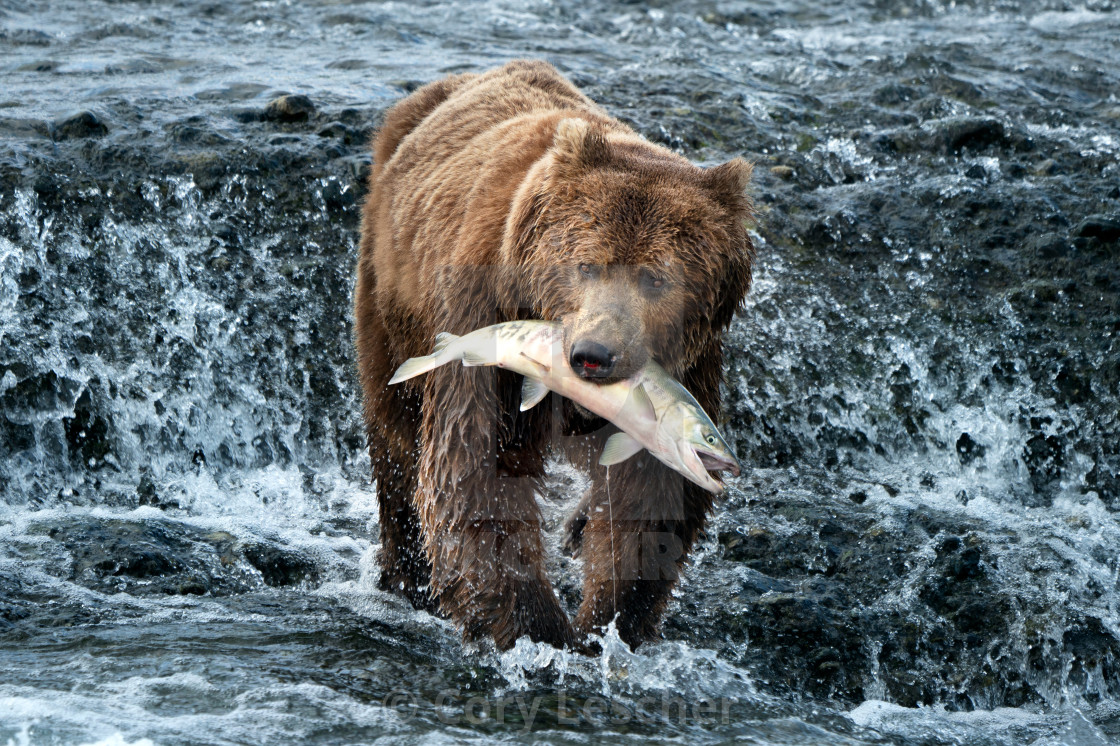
{"x": 705, "y": 454}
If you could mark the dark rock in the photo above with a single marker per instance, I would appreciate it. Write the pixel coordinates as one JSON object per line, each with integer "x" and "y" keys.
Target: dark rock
{"x": 18, "y": 128}
{"x": 804, "y": 627}
{"x": 194, "y": 134}
{"x": 976, "y": 171}
{"x": 247, "y": 116}
{"x": 290, "y": 108}
{"x": 87, "y": 433}
{"x": 335, "y": 129}
{"x": 1104, "y": 228}
{"x": 168, "y": 557}
{"x": 1044, "y": 458}
{"x": 973, "y": 134}
{"x": 105, "y": 550}
{"x": 81, "y": 125}
{"x": 894, "y": 94}
{"x": 146, "y": 491}
{"x": 278, "y": 566}
{"x": 968, "y": 449}
{"x": 26, "y": 36}
{"x": 1051, "y": 245}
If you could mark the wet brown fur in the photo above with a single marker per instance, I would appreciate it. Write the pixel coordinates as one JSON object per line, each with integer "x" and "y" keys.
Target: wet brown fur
{"x": 488, "y": 193}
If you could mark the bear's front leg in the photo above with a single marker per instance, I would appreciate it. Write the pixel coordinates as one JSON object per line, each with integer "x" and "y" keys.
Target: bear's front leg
{"x": 481, "y": 521}
{"x": 642, "y": 521}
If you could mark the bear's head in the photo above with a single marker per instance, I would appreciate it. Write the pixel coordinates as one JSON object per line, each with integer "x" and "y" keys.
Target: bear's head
{"x": 636, "y": 251}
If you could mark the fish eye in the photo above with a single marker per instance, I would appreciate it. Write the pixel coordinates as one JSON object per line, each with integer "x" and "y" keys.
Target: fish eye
{"x": 711, "y": 440}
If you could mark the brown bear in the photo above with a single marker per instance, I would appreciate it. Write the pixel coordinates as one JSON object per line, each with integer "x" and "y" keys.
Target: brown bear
{"x": 511, "y": 195}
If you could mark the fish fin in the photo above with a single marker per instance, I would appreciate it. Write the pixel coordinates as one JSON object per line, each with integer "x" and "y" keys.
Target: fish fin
{"x": 442, "y": 340}
{"x": 532, "y": 391}
{"x": 642, "y": 401}
{"x": 474, "y": 359}
{"x": 619, "y": 447}
{"x": 542, "y": 367}
{"x": 416, "y": 366}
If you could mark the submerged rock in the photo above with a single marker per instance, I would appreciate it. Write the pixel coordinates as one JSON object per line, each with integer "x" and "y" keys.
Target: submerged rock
{"x": 290, "y": 108}
{"x": 81, "y": 125}
{"x": 165, "y": 557}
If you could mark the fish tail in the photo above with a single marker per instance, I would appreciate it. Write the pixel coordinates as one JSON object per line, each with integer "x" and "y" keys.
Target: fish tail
{"x": 416, "y": 366}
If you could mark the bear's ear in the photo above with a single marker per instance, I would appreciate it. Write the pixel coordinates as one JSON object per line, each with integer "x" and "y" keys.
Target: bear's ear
{"x": 579, "y": 143}
{"x": 729, "y": 181}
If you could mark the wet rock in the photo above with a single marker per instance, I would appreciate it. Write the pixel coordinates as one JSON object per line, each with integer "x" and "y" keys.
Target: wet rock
{"x": 1044, "y": 457}
{"x": 18, "y": 128}
{"x": 1104, "y": 228}
{"x": 279, "y": 566}
{"x": 104, "y": 551}
{"x": 961, "y": 90}
{"x": 814, "y": 578}
{"x": 1093, "y": 654}
{"x": 895, "y": 94}
{"x": 87, "y": 434}
{"x": 195, "y": 132}
{"x": 82, "y": 125}
{"x": 1051, "y": 245}
{"x": 976, "y": 171}
{"x": 803, "y": 627}
{"x": 334, "y": 129}
{"x": 973, "y": 134}
{"x": 290, "y": 108}
{"x": 164, "y": 557}
{"x": 245, "y": 116}
{"x": 26, "y": 37}
{"x": 968, "y": 449}
{"x": 146, "y": 491}
{"x": 782, "y": 172}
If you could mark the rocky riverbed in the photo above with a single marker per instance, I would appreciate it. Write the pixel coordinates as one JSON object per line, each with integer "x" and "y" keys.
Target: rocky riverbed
{"x": 924, "y": 377}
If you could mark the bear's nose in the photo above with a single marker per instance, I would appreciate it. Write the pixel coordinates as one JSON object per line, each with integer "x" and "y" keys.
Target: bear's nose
{"x": 591, "y": 359}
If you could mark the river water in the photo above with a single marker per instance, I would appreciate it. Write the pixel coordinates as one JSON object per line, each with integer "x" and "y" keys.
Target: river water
{"x": 924, "y": 378}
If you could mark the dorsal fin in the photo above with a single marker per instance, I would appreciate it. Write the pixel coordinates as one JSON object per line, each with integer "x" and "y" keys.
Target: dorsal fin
{"x": 643, "y": 404}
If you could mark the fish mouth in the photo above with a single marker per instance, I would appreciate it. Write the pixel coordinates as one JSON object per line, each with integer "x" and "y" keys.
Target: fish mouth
{"x": 715, "y": 463}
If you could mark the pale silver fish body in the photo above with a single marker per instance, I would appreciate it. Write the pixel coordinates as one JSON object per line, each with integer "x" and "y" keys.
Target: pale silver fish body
{"x": 651, "y": 408}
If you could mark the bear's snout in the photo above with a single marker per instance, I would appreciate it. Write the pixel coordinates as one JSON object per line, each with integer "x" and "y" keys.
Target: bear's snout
{"x": 605, "y": 337}
{"x": 590, "y": 359}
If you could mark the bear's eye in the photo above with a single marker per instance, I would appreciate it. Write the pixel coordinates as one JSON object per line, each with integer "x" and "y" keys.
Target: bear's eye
{"x": 585, "y": 270}
{"x": 652, "y": 281}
